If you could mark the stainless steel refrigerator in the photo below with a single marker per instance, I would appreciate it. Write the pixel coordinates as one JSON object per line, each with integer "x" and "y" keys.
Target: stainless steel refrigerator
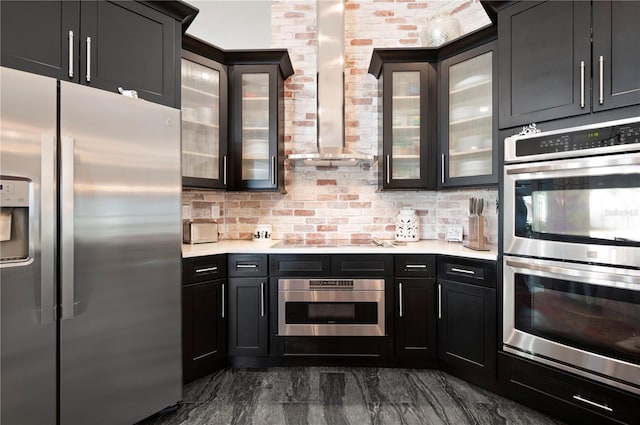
{"x": 90, "y": 247}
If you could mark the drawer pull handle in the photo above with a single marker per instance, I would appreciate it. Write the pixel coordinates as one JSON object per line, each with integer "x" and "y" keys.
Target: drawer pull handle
{"x": 246, "y": 266}
{"x": 593, "y": 403}
{"x": 453, "y": 269}
{"x": 415, "y": 266}
{"x": 207, "y": 269}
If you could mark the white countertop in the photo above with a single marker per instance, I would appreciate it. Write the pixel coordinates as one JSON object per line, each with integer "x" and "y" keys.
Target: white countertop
{"x": 419, "y": 247}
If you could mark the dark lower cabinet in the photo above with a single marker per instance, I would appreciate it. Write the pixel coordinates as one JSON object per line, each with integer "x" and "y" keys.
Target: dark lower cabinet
{"x": 415, "y": 318}
{"x": 204, "y": 329}
{"x": 467, "y": 323}
{"x": 566, "y": 396}
{"x": 248, "y": 317}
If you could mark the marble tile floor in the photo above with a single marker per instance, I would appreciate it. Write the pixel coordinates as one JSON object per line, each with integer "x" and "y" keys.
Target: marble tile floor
{"x": 342, "y": 396}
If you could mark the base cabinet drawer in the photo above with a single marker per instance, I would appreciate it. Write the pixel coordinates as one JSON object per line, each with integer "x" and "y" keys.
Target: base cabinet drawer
{"x": 567, "y": 396}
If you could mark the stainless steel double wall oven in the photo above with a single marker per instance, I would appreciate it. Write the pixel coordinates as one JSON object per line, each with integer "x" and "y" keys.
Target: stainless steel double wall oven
{"x": 572, "y": 250}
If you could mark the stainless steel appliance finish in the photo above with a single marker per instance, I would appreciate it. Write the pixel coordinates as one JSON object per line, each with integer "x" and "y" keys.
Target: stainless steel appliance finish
{"x": 199, "y": 232}
{"x": 577, "y": 307}
{"x": 331, "y": 307}
{"x": 118, "y": 260}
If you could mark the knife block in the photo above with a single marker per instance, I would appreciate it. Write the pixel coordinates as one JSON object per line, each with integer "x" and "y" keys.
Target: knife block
{"x": 476, "y": 233}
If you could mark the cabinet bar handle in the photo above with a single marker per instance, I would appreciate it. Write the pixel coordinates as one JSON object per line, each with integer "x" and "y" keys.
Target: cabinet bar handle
{"x": 400, "y": 302}
{"x": 453, "y": 269}
{"x": 246, "y": 266}
{"x": 207, "y": 269}
{"x": 224, "y": 170}
{"x": 593, "y": 403}
{"x": 223, "y": 306}
{"x": 415, "y": 266}
{"x": 88, "y": 59}
{"x": 262, "y": 299}
{"x": 204, "y": 355}
{"x": 442, "y": 169}
{"x": 388, "y": 170}
{"x": 273, "y": 170}
{"x": 70, "y": 54}
{"x": 582, "y": 84}
{"x": 601, "y": 65}
{"x": 439, "y": 301}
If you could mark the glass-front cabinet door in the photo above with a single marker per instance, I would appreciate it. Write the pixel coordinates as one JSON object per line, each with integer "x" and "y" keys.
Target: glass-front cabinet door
{"x": 257, "y": 164}
{"x": 468, "y": 125}
{"x": 407, "y": 126}
{"x": 204, "y": 118}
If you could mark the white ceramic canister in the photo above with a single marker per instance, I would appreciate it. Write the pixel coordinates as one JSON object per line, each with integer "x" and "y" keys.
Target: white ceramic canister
{"x": 262, "y": 232}
{"x": 407, "y": 228}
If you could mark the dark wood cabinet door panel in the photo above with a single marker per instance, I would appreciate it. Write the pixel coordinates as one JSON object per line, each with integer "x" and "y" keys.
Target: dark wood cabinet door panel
{"x": 131, "y": 46}
{"x": 203, "y": 329}
{"x": 42, "y": 37}
{"x": 616, "y": 54}
{"x": 415, "y": 318}
{"x": 411, "y": 265}
{"x": 467, "y": 328}
{"x": 301, "y": 265}
{"x": 361, "y": 265}
{"x": 247, "y": 265}
{"x": 542, "y": 47}
{"x": 248, "y": 319}
{"x": 201, "y": 269}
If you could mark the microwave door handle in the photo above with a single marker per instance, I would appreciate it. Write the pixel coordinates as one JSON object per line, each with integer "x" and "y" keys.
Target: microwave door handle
{"x": 66, "y": 226}
{"x": 47, "y": 229}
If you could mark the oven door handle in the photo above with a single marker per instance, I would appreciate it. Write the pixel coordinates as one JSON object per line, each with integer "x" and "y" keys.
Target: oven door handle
{"x": 621, "y": 281}
{"x": 574, "y": 164}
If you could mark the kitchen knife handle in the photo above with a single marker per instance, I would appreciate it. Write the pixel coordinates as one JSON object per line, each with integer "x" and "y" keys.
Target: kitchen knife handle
{"x": 601, "y": 68}
{"x": 47, "y": 229}
{"x": 262, "y": 309}
{"x": 222, "y": 302}
{"x": 88, "y": 59}
{"x": 70, "y": 54}
{"x": 582, "y": 84}
{"x": 400, "y": 301}
{"x": 66, "y": 227}
{"x": 388, "y": 164}
{"x": 224, "y": 170}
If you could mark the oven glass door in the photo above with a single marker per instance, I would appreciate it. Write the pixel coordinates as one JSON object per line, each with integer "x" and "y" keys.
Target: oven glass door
{"x": 585, "y": 202}
{"x": 569, "y": 312}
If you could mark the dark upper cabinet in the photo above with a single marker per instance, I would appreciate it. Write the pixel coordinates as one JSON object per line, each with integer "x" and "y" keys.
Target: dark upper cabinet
{"x": 468, "y": 124}
{"x": 408, "y": 126}
{"x": 616, "y": 54}
{"x": 41, "y": 37}
{"x": 467, "y": 324}
{"x": 103, "y": 44}
{"x": 550, "y": 68}
{"x": 257, "y": 127}
{"x": 204, "y": 117}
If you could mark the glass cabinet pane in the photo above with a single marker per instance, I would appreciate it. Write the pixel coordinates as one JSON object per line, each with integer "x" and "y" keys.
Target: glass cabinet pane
{"x": 470, "y": 117}
{"x": 405, "y": 124}
{"x": 200, "y": 121}
{"x": 255, "y": 126}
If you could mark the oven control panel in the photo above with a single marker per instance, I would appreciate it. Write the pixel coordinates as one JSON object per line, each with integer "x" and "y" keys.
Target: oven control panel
{"x": 331, "y": 283}
{"x": 580, "y": 140}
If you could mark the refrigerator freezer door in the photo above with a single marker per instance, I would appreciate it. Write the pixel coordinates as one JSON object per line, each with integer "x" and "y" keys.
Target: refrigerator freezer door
{"x": 28, "y": 329}
{"x": 120, "y": 333}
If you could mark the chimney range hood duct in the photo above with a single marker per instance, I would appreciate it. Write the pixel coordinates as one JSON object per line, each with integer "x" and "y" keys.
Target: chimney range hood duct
{"x": 330, "y": 116}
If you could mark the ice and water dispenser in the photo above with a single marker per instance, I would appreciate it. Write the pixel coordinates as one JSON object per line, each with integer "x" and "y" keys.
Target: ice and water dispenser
{"x": 14, "y": 219}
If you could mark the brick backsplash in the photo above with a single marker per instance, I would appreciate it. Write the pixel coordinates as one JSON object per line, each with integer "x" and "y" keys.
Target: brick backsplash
{"x": 343, "y": 203}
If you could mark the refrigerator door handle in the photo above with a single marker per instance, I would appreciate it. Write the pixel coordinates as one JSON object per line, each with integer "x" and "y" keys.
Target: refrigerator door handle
{"x": 47, "y": 229}
{"x": 66, "y": 226}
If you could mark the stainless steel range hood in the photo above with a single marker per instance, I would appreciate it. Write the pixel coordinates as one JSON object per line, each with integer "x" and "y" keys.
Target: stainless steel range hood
{"x": 330, "y": 117}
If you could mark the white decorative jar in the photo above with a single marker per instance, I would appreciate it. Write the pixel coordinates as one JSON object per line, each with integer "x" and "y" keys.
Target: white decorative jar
{"x": 407, "y": 225}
